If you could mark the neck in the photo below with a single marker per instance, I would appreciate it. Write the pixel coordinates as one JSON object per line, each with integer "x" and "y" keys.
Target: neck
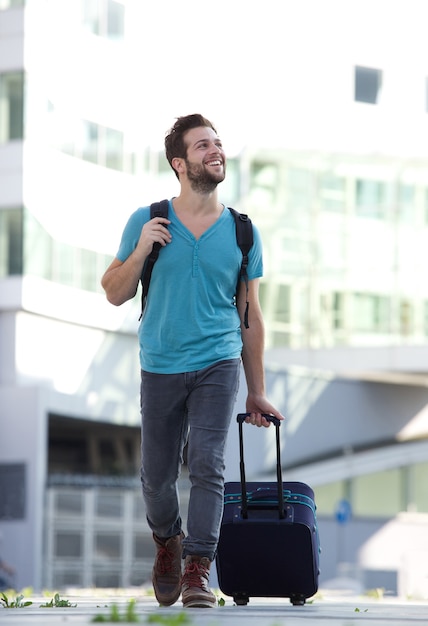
{"x": 197, "y": 203}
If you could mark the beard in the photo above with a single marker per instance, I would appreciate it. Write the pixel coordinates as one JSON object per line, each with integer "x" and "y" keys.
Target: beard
{"x": 202, "y": 180}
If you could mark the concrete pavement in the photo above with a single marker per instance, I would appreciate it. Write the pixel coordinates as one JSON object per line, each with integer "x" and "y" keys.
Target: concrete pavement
{"x": 323, "y": 610}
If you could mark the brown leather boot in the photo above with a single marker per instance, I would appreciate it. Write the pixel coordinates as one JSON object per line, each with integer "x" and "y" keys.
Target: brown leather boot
{"x": 194, "y": 586}
{"x": 166, "y": 574}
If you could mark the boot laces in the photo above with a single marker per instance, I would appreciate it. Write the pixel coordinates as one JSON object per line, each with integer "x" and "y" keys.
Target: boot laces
{"x": 165, "y": 560}
{"x": 194, "y": 574}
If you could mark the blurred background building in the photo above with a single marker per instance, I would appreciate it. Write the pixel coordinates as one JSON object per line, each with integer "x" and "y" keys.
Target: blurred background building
{"x": 323, "y": 111}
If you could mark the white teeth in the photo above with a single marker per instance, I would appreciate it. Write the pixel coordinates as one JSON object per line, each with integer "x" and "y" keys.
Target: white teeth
{"x": 214, "y": 163}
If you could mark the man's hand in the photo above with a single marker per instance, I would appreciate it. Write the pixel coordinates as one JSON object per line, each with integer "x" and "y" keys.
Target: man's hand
{"x": 258, "y": 405}
{"x": 258, "y": 420}
{"x": 154, "y": 231}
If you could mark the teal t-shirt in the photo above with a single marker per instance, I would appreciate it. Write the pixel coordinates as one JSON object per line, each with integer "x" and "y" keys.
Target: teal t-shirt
{"x": 190, "y": 320}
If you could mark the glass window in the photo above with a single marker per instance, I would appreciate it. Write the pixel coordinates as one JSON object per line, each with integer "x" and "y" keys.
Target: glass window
{"x": 107, "y": 449}
{"x": 372, "y": 198}
{"x": 107, "y": 579}
{"x": 114, "y": 149}
{"x": 105, "y": 18}
{"x": 139, "y": 509}
{"x": 420, "y": 491}
{"x": 64, "y": 270}
{"x": 264, "y": 174}
{"x": 282, "y": 308}
{"x": 68, "y": 578}
{"x": 15, "y": 236}
{"x": 338, "y": 309}
{"x": 11, "y": 106}
{"x": 53, "y": 260}
{"x": 159, "y": 160}
{"x": 378, "y": 495}
{"x": 368, "y": 84}
{"x": 327, "y": 497}
{"x": 115, "y": 20}
{"x": 69, "y": 503}
{"x": 89, "y": 141}
{"x": 108, "y": 546}
{"x": 10, "y": 4}
{"x": 90, "y": 16}
{"x": 109, "y": 505}
{"x": 85, "y": 140}
{"x": 231, "y": 186}
{"x": 68, "y": 544}
{"x": 11, "y": 232}
{"x": 143, "y": 546}
{"x": 264, "y": 293}
{"x": 13, "y": 487}
{"x": 280, "y": 338}
{"x": 299, "y": 188}
{"x": 263, "y": 182}
{"x": 88, "y": 270}
{"x": 67, "y": 454}
{"x": 38, "y": 246}
{"x": 406, "y": 317}
{"x": 406, "y": 204}
{"x": 370, "y": 312}
{"x": 332, "y": 192}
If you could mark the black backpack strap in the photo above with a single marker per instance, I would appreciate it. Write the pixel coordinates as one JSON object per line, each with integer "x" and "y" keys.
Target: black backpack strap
{"x": 244, "y": 238}
{"x": 157, "y": 209}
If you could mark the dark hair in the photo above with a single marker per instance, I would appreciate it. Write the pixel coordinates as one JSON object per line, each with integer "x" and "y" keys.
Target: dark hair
{"x": 174, "y": 139}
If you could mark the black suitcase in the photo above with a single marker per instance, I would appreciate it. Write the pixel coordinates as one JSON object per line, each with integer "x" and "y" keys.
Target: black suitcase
{"x": 268, "y": 544}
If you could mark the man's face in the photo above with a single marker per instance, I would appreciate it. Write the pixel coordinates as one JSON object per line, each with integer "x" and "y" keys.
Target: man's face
{"x": 205, "y": 161}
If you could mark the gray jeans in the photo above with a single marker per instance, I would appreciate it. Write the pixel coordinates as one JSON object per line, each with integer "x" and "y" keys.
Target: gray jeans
{"x": 175, "y": 408}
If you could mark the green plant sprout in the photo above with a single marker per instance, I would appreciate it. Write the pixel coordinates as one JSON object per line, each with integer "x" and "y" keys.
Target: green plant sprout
{"x": 169, "y": 620}
{"x": 14, "y": 604}
{"x": 115, "y": 616}
{"x": 56, "y": 601}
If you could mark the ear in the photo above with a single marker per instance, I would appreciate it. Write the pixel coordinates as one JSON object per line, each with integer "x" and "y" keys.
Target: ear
{"x": 178, "y": 164}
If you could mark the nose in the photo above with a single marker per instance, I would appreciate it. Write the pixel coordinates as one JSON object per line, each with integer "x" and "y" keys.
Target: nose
{"x": 215, "y": 148}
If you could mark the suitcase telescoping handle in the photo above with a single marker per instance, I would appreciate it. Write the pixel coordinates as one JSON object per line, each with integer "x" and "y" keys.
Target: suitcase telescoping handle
{"x": 271, "y": 418}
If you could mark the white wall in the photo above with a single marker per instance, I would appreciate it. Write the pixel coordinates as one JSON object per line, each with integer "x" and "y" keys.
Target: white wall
{"x": 370, "y": 362}
{"x": 24, "y": 440}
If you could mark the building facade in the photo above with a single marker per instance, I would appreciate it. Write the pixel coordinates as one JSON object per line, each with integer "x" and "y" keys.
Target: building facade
{"x": 338, "y": 186}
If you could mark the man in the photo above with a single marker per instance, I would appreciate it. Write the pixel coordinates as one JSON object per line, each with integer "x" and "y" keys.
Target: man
{"x": 192, "y": 340}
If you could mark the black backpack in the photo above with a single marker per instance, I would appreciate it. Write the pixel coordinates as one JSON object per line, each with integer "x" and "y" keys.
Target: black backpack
{"x": 244, "y": 239}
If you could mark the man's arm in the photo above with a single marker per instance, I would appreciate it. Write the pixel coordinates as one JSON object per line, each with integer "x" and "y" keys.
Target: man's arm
{"x": 253, "y": 356}
{"x": 120, "y": 280}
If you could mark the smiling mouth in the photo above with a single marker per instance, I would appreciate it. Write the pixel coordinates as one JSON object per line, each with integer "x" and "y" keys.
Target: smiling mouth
{"x": 214, "y": 163}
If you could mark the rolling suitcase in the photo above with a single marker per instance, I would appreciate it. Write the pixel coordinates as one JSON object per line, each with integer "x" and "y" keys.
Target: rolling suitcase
{"x": 268, "y": 544}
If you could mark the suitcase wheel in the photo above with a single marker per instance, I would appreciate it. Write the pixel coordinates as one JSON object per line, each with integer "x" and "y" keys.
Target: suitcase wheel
{"x": 297, "y": 600}
{"x": 241, "y": 600}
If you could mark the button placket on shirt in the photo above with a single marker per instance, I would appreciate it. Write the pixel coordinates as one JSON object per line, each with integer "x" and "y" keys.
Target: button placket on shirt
{"x": 196, "y": 259}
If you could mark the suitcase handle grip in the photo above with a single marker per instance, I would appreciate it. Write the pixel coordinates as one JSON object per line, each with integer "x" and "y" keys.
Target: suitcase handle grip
{"x": 270, "y": 418}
